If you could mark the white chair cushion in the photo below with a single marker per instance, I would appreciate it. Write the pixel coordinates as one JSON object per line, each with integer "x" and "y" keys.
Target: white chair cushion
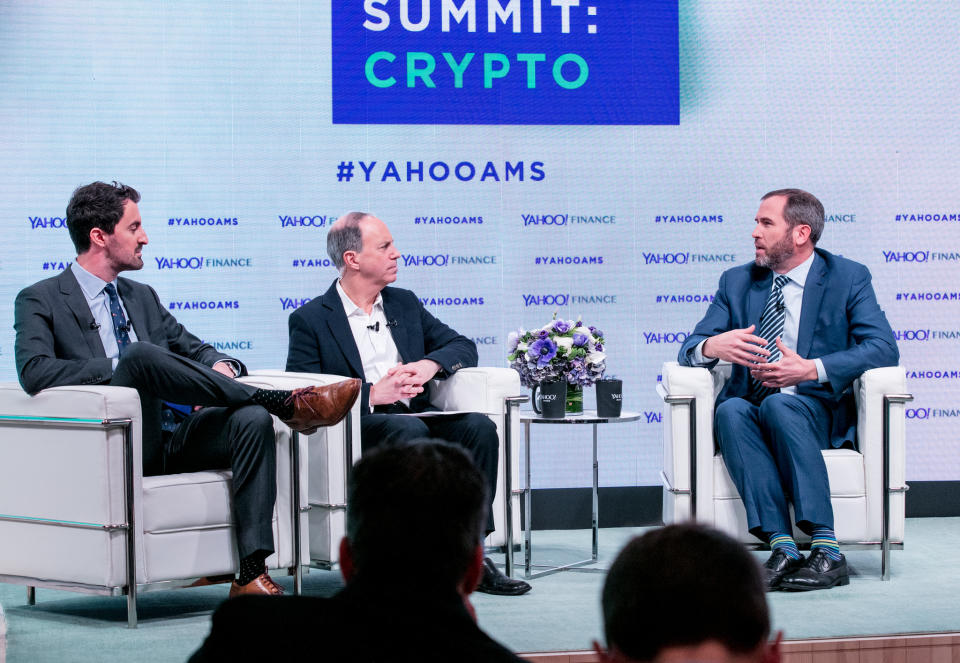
{"x": 186, "y": 501}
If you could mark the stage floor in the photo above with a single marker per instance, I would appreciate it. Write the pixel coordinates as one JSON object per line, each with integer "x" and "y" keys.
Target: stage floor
{"x": 561, "y": 613}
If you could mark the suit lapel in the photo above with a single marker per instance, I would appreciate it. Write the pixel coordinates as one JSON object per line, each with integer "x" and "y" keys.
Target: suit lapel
{"x": 135, "y": 312}
{"x": 758, "y": 295}
{"x": 395, "y": 313}
{"x": 340, "y": 329}
{"x": 77, "y": 303}
{"x": 813, "y": 291}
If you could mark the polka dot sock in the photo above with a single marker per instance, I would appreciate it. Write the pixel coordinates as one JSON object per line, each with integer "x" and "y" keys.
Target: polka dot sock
{"x": 273, "y": 401}
{"x": 251, "y": 567}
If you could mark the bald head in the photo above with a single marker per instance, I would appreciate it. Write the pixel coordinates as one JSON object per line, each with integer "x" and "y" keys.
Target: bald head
{"x": 345, "y": 235}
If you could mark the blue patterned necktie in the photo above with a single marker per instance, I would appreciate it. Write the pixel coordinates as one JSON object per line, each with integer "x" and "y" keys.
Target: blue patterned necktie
{"x": 120, "y": 328}
{"x": 771, "y": 328}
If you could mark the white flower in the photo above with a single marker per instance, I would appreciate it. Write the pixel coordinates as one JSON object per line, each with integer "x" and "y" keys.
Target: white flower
{"x": 595, "y": 357}
{"x": 565, "y": 342}
{"x": 522, "y": 347}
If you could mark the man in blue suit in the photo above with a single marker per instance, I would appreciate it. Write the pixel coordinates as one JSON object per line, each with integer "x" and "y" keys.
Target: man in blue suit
{"x": 798, "y": 324}
{"x": 363, "y": 329}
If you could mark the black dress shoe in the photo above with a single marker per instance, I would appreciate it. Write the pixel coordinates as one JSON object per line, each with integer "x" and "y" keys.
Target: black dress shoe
{"x": 820, "y": 572}
{"x": 494, "y": 582}
{"x": 777, "y": 566}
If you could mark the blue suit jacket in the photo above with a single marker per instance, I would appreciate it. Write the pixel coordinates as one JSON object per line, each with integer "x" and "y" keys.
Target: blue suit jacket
{"x": 321, "y": 340}
{"x": 840, "y": 323}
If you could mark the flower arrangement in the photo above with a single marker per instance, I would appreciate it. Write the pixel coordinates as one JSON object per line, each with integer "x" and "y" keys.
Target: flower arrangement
{"x": 560, "y": 349}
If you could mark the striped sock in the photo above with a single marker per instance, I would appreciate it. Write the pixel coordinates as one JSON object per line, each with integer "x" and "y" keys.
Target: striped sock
{"x": 823, "y": 537}
{"x": 784, "y": 543}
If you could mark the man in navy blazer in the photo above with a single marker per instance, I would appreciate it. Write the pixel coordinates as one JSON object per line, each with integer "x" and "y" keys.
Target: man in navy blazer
{"x": 364, "y": 329}
{"x": 791, "y": 396}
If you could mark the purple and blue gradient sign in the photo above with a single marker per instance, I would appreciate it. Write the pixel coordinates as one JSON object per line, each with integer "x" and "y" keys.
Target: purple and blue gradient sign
{"x": 506, "y": 62}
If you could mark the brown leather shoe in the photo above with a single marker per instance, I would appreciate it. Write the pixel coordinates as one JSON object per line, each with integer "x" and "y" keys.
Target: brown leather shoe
{"x": 211, "y": 580}
{"x": 262, "y": 584}
{"x": 321, "y": 406}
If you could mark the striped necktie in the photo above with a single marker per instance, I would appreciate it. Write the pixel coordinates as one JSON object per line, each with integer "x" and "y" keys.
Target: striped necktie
{"x": 771, "y": 328}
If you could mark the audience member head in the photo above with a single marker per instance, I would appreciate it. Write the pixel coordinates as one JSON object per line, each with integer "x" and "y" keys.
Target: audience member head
{"x": 411, "y": 504}
{"x": 685, "y": 593}
{"x": 801, "y": 208}
{"x": 96, "y": 205}
{"x": 345, "y": 235}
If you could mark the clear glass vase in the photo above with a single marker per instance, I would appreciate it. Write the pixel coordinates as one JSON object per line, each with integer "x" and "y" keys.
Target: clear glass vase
{"x": 574, "y": 399}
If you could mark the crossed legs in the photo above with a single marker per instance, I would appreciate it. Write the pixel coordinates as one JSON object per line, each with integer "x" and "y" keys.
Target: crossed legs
{"x": 772, "y": 453}
{"x": 231, "y": 433}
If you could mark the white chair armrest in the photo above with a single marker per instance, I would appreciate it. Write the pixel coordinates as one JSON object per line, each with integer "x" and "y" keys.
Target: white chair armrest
{"x": 479, "y": 389}
{"x": 703, "y": 385}
{"x": 55, "y": 470}
{"x": 869, "y": 390}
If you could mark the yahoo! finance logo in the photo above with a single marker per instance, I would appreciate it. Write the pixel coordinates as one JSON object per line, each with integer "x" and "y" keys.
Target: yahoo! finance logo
{"x": 446, "y": 259}
{"x": 563, "y": 219}
{"x": 567, "y": 299}
{"x": 506, "y": 62}
{"x": 200, "y": 262}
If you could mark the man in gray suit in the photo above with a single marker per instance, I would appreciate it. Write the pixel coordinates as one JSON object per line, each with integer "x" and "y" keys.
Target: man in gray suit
{"x": 87, "y": 326}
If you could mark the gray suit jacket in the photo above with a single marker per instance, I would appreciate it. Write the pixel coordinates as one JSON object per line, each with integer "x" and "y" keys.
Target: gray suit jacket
{"x": 57, "y": 343}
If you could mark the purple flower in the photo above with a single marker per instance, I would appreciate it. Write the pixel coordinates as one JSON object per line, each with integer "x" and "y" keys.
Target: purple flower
{"x": 561, "y": 326}
{"x": 598, "y": 347}
{"x": 543, "y": 350}
{"x": 579, "y": 340}
{"x": 543, "y": 333}
{"x": 578, "y": 323}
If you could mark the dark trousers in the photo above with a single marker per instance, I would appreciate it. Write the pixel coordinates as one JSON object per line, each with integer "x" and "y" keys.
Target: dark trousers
{"x": 772, "y": 452}
{"x": 474, "y": 432}
{"x": 229, "y": 432}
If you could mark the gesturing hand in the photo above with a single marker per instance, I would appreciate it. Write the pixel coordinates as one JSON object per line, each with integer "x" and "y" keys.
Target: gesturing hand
{"x": 738, "y": 346}
{"x": 791, "y": 369}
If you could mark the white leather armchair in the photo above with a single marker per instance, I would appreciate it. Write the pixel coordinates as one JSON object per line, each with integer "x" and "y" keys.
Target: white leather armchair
{"x": 76, "y": 512}
{"x": 866, "y": 486}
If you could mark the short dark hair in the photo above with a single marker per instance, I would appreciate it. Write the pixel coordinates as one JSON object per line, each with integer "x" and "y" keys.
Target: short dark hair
{"x": 96, "y": 205}
{"x": 801, "y": 208}
{"x": 405, "y": 499}
{"x": 346, "y": 237}
{"x": 683, "y": 585}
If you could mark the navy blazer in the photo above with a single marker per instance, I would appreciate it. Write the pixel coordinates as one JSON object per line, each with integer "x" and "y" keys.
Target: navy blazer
{"x": 57, "y": 343}
{"x": 321, "y": 340}
{"x": 840, "y": 323}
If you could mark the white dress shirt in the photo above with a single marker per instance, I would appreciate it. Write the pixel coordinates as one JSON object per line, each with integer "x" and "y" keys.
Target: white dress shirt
{"x": 793, "y": 301}
{"x": 378, "y": 351}
{"x": 92, "y": 287}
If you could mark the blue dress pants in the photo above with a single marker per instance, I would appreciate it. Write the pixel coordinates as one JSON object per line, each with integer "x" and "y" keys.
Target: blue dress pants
{"x": 772, "y": 452}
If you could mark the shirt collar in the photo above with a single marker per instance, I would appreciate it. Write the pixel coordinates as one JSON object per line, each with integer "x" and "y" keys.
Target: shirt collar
{"x": 91, "y": 284}
{"x": 799, "y": 273}
{"x": 352, "y": 309}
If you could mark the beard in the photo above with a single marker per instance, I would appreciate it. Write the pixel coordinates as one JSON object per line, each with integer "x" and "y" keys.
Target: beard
{"x": 777, "y": 254}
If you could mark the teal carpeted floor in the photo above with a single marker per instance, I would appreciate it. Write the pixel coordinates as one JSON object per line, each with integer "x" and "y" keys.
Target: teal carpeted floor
{"x": 561, "y": 613}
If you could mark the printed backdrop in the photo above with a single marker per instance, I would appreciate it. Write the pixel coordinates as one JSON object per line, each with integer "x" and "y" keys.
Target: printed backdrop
{"x": 591, "y": 158}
